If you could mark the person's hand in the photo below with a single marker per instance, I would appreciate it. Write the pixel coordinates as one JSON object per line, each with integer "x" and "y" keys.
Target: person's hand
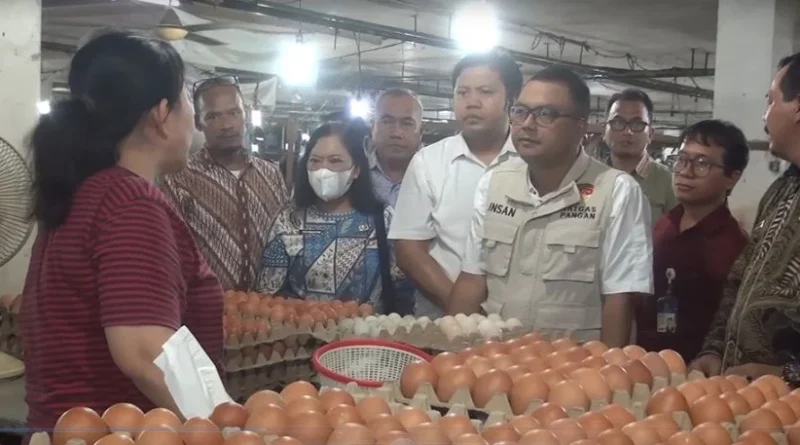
{"x": 708, "y": 364}
{"x": 754, "y": 370}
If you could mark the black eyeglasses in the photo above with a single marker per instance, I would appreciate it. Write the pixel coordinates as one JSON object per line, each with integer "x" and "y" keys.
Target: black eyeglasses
{"x": 620, "y": 125}
{"x": 700, "y": 167}
{"x": 545, "y": 116}
{"x": 204, "y": 84}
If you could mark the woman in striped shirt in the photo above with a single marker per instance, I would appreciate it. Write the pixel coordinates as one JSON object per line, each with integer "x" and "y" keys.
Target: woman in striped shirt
{"x": 114, "y": 271}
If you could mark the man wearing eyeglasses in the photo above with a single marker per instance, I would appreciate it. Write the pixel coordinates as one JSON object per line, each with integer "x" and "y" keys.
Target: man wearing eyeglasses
{"x": 560, "y": 241}
{"x": 694, "y": 244}
{"x": 226, "y": 195}
{"x": 628, "y": 133}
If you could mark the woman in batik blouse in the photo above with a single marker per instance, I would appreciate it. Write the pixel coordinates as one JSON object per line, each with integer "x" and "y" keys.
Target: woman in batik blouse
{"x": 330, "y": 242}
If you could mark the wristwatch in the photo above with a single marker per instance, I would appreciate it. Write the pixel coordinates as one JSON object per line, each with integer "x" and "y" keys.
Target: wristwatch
{"x": 791, "y": 374}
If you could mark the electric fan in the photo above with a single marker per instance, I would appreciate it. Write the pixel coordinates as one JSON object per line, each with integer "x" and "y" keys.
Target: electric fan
{"x": 15, "y": 187}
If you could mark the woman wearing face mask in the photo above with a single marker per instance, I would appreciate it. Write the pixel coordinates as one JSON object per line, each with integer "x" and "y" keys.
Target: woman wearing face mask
{"x": 331, "y": 243}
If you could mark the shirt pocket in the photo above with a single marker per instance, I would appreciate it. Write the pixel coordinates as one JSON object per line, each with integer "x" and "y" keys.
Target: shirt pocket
{"x": 498, "y": 246}
{"x": 572, "y": 252}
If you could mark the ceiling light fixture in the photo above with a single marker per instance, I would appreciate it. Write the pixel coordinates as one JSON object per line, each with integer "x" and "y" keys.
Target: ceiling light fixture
{"x": 255, "y": 117}
{"x": 298, "y": 64}
{"x": 359, "y": 108}
{"x": 43, "y": 107}
{"x": 476, "y": 27}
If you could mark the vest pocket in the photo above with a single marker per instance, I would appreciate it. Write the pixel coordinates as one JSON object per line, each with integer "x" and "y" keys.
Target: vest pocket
{"x": 572, "y": 252}
{"x": 497, "y": 246}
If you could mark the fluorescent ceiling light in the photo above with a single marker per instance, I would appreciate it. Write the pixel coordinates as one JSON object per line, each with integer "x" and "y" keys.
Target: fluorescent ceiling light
{"x": 255, "y": 118}
{"x": 298, "y": 64}
{"x": 359, "y": 108}
{"x": 476, "y": 28}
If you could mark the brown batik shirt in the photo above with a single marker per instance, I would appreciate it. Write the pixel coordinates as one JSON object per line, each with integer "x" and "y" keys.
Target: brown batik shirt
{"x": 229, "y": 215}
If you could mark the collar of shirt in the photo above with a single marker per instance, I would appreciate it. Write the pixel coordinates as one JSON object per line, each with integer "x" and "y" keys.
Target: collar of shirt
{"x": 463, "y": 151}
{"x": 204, "y": 159}
{"x": 643, "y": 168}
{"x": 375, "y": 167}
{"x": 711, "y": 223}
{"x": 577, "y": 169}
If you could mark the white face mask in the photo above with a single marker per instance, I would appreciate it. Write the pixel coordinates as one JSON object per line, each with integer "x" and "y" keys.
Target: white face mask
{"x": 330, "y": 185}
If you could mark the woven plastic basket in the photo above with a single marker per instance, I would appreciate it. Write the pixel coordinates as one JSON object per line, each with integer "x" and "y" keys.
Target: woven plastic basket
{"x": 367, "y": 362}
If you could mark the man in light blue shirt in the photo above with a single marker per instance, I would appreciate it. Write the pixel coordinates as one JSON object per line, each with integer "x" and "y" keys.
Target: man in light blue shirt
{"x": 396, "y": 137}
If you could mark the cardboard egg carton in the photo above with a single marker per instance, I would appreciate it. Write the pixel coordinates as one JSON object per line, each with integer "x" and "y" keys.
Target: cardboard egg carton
{"x": 280, "y": 331}
{"x": 253, "y": 358}
{"x": 242, "y": 384}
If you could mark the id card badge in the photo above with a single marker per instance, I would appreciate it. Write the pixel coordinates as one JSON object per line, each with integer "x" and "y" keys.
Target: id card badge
{"x": 667, "y": 308}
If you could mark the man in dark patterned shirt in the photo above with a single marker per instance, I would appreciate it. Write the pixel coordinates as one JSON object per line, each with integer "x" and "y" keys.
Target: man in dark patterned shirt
{"x": 228, "y": 197}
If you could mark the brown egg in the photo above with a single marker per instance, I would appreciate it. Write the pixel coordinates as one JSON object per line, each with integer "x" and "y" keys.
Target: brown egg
{"x": 428, "y": 434}
{"x": 124, "y": 418}
{"x": 339, "y": 415}
{"x": 769, "y": 391}
{"x": 310, "y": 428}
{"x": 755, "y": 437}
{"x": 692, "y": 391}
{"x": 709, "y": 387}
{"x": 469, "y": 439}
{"x": 548, "y": 413}
{"x": 383, "y": 423}
{"x": 165, "y": 436}
{"x": 538, "y": 437}
{"x": 775, "y": 382}
{"x": 614, "y": 437}
{"x": 577, "y": 353}
{"x": 617, "y": 415}
{"x": 593, "y": 362}
{"x": 452, "y": 380}
{"x": 761, "y": 419}
{"x": 263, "y": 398}
{"x": 793, "y": 402}
{"x": 710, "y": 409}
{"x": 444, "y": 361}
{"x": 656, "y": 365}
{"x": 615, "y": 356}
{"x": 351, "y": 434}
{"x": 525, "y": 390}
{"x": 738, "y": 381}
{"x": 674, "y": 361}
{"x": 617, "y": 378}
{"x": 736, "y": 403}
{"x": 455, "y": 425}
{"x": 663, "y": 424}
{"x": 502, "y": 361}
{"x": 334, "y": 397}
{"x": 595, "y": 348}
{"x": 562, "y": 344}
{"x": 416, "y": 373}
{"x": 157, "y": 418}
{"x": 229, "y": 414}
{"x": 410, "y": 417}
{"x": 585, "y": 442}
{"x": 267, "y": 420}
{"x": 201, "y": 431}
{"x": 594, "y": 423}
{"x": 567, "y": 368}
{"x": 111, "y": 439}
{"x": 500, "y": 432}
{"x": 551, "y": 377}
{"x": 490, "y": 348}
{"x": 725, "y": 386}
{"x": 286, "y": 440}
{"x": 524, "y": 423}
{"x": 304, "y": 404}
{"x": 641, "y": 433}
{"x": 685, "y": 438}
{"x": 755, "y": 398}
{"x": 793, "y": 434}
{"x": 298, "y": 389}
{"x": 567, "y": 431}
{"x": 634, "y": 352}
{"x": 240, "y": 438}
{"x": 516, "y": 372}
{"x": 666, "y": 400}
{"x": 372, "y": 406}
{"x": 79, "y": 423}
{"x": 521, "y": 354}
{"x": 638, "y": 372}
{"x": 535, "y": 364}
{"x": 558, "y": 358}
{"x": 490, "y": 384}
{"x": 568, "y": 394}
{"x": 480, "y": 365}
{"x": 712, "y": 434}
{"x": 593, "y": 383}
{"x": 783, "y": 410}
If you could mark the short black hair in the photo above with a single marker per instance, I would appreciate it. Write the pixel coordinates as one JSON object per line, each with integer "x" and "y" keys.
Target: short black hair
{"x": 505, "y": 65}
{"x": 581, "y": 97}
{"x": 716, "y": 132}
{"x": 632, "y": 95}
{"x": 353, "y": 133}
{"x": 790, "y": 84}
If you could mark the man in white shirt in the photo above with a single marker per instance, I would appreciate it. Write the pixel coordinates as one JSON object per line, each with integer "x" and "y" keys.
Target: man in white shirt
{"x": 433, "y": 210}
{"x": 560, "y": 241}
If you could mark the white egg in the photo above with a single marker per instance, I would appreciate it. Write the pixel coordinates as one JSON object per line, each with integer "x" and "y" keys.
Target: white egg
{"x": 468, "y": 325}
{"x": 374, "y": 330}
{"x": 424, "y": 321}
{"x": 361, "y": 328}
{"x": 346, "y": 325}
{"x": 371, "y": 319}
{"x": 477, "y": 318}
{"x": 460, "y": 318}
{"x": 512, "y": 323}
{"x": 410, "y": 319}
{"x": 394, "y": 317}
{"x": 494, "y": 317}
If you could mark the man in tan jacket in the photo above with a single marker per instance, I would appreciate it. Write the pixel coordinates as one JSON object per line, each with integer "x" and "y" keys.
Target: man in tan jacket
{"x": 559, "y": 241}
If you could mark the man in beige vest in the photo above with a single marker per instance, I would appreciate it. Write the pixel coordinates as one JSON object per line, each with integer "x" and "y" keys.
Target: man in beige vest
{"x": 628, "y": 133}
{"x": 560, "y": 241}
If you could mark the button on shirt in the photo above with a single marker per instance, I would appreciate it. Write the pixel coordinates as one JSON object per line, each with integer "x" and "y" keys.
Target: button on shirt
{"x": 627, "y": 254}
{"x": 435, "y": 203}
{"x": 701, "y": 257}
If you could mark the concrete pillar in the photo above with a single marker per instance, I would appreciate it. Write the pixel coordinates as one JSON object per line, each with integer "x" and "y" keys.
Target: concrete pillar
{"x": 752, "y": 37}
{"x": 20, "y": 70}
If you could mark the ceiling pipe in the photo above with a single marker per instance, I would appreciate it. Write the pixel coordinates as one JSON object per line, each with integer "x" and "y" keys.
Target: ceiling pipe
{"x": 389, "y": 32}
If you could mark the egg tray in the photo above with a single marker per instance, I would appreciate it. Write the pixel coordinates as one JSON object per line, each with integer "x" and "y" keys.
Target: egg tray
{"x": 10, "y": 340}
{"x": 429, "y": 336}
{"x": 242, "y": 384}
{"x": 255, "y": 359}
{"x": 280, "y": 331}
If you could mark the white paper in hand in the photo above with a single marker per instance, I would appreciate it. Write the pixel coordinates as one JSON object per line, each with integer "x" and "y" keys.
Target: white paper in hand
{"x": 190, "y": 375}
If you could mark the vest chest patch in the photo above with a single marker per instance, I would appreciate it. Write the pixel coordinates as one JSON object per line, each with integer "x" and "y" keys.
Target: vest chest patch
{"x": 502, "y": 209}
{"x": 579, "y": 211}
